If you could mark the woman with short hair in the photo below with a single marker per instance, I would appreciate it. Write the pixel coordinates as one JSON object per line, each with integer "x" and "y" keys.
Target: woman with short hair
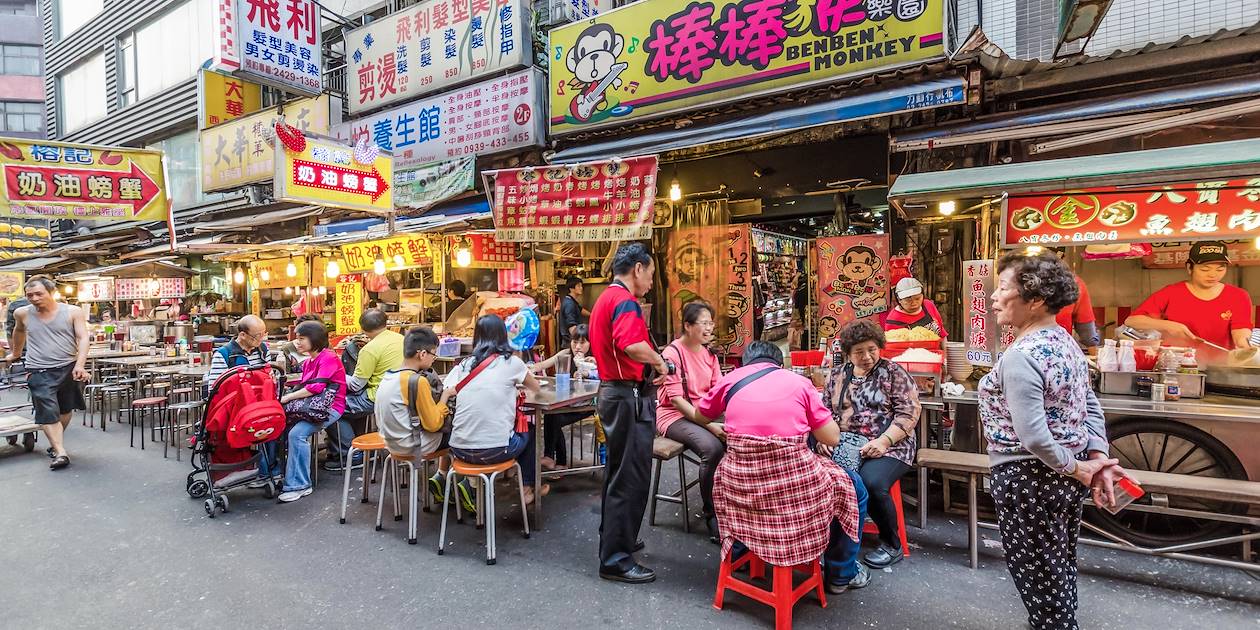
{"x": 1047, "y": 437}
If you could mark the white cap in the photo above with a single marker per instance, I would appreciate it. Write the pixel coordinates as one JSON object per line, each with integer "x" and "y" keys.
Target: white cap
{"x": 907, "y": 287}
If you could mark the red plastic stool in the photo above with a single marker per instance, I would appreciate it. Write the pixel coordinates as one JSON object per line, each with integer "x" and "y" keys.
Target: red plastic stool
{"x": 785, "y": 593}
{"x": 870, "y": 528}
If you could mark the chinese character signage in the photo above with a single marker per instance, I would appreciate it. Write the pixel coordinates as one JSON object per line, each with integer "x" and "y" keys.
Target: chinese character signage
{"x": 609, "y": 200}
{"x": 225, "y": 98}
{"x": 980, "y": 327}
{"x": 852, "y": 280}
{"x": 415, "y": 251}
{"x": 652, "y": 58}
{"x": 96, "y": 290}
{"x": 1189, "y": 211}
{"x": 431, "y": 46}
{"x": 277, "y": 43}
{"x": 328, "y": 173}
{"x": 489, "y": 117}
{"x": 239, "y": 152}
{"x": 424, "y": 186}
{"x": 149, "y": 288}
{"x": 713, "y": 263}
{"x": 488, "y": 253}
{"x": 349, "y": 303}
{"x": 54, "y": 180}
{"x": 1175, "y": 255}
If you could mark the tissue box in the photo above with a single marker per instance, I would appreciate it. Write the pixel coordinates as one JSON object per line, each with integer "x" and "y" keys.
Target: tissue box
{"x": 448, "y": 347}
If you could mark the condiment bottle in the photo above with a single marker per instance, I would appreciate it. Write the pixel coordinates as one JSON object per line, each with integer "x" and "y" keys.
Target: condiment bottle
{"x": 1127, "y": 359}
{"x": 1108, "y": 357}
{"x": 1189, "y": 362}
{"x": 1174, "y": 388}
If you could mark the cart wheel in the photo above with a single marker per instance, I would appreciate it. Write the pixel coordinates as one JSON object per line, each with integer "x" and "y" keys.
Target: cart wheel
{"x": 223, "y": 503}
{"x": 198, "y": 488}
{"x": 28, "y": 442}
{"x": 1170, "y": 447}
{"x": 12, "y": 440}
{"x": 269, "y": 491}
{"x": 208, "y": 505}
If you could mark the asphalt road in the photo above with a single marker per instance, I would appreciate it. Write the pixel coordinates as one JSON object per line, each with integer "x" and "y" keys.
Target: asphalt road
{"x": 113, "y": 541}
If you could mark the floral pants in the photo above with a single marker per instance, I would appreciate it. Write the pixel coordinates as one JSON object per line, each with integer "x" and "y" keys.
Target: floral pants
{"x": 1039, "y": 517}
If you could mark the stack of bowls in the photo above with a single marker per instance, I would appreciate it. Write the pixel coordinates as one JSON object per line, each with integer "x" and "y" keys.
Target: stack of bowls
{"x": 956, "y": 358}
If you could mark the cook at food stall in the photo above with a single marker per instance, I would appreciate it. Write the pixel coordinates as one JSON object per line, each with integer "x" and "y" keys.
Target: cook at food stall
{"x": 913, "y": 310}
{"x": 1202, "y": 308}
{"x": 1078, "y": 317}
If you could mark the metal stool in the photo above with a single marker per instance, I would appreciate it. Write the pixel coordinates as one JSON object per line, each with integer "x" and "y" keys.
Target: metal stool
{"x": 120, "y": 396}
{"x": 369, "y": 444}
{"x": 488, "y": 473}
{"x": 394, "y": 464}
{"x": 175, "y": 412}
{"x": 93, "y": 397}
{"x": 143, "y": 408}
{"x": 663, "y": 450}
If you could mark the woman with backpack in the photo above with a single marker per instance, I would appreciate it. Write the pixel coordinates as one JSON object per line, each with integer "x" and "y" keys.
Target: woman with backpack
{"x": 677, "y": 417}
{"x": 317, "y": 403}
{"x": 487, "y": 384}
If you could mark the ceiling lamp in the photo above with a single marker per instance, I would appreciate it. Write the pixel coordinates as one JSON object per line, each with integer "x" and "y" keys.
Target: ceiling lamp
{"x": 378, "y": 266}
{"x": 675, "y": 191}
{"x": 290, "y": 269}
{"x": 948, "y": 207}
{"x": 333, "y": 269}
{"x": 238, "y": 276}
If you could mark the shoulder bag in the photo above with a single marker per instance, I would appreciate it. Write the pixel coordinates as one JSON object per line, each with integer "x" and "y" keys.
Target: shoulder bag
{"x": 522, "y": 419}
{"x": 315, "y": 408}
{"x": 848, "y": 453}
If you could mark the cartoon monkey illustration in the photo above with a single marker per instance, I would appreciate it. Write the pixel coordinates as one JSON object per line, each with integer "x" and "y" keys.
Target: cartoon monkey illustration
{"x": 593, "y": 62}
{"x": 858, "y": 267}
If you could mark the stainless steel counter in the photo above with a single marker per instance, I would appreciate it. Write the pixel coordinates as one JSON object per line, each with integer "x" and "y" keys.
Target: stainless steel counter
{"x": 1211, "y": 407}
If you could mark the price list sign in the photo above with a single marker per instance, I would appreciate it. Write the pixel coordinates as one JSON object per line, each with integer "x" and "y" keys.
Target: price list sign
{"x": 608, "y": 200}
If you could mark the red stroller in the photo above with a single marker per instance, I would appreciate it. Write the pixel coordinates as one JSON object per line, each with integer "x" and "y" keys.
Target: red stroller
{"x": 242, "y": 412}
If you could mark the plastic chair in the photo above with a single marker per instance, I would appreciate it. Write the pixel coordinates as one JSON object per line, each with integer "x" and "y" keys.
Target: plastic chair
{"x": 870, "y": 528}
{"x": 369, "y": 444}
{"x": 488, "y": 473}
{"x": 784, "y": 593}
{"x": 393, "y": 464}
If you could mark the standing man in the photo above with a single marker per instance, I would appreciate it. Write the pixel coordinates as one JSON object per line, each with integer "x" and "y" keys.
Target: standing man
{"x": 382, "y": 353}
{"x": 571, "y": 311}
{"x": 55, "y": 339}
{"x": 624, "y": 353}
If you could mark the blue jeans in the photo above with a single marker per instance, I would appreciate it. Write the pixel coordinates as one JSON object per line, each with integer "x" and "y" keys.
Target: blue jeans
{"x": 297, "y": 468}
{"x": 520, "y": 447}
{"x": 841, "y": 557}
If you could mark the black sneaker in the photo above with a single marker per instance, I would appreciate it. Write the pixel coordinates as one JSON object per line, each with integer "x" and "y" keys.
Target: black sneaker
{"x": 884, "y": 556}
{"x": 860, "y": 580}
{"x": 336, "y": 465}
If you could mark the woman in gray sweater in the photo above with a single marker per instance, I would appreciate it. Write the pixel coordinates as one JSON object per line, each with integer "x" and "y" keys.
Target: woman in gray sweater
{"x": 1047, "y": 437}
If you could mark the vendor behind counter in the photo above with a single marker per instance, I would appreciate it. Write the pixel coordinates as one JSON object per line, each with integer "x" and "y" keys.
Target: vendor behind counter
{"x": 1202, "y": 308}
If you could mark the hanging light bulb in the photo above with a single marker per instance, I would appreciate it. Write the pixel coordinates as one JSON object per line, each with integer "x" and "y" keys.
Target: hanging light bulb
{"x": 1258, "y": 242}
{"x": 265, "y": 274}
{"x": 398, "y": 260}
{"x": 463, "y": 252}
{"x": 290, "y": 269}
{"x": 947, "y": 207}
{"x": 675, "y": 191}
{"x": 69, "y": 290}
{"x": 238, "y": 276}
{"x": 333, "y": 270}
{"x": 379, "y": 266}
{"x": 323, "y": 290}
{"x": 288, "y": 290}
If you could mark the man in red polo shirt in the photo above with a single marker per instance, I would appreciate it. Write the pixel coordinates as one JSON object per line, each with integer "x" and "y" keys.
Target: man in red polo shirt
{"x": 624, "y": 352}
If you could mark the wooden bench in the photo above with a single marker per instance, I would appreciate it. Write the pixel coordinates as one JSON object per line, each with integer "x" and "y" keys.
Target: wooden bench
{"x": 975, "y": 465}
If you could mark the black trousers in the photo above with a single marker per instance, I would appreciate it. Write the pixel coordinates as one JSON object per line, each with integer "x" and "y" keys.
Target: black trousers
{"x": 1039, "y": 517}
{"x": 702, "y": 442}
{"x": 629, "y": 418}
{"x": 879, "y": 475}
{"x": 553, "y": 437}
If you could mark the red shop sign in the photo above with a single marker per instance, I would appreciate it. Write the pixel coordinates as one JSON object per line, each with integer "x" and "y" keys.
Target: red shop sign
{"x": 1187, "y": 211}
{"x": 609, "y": 200}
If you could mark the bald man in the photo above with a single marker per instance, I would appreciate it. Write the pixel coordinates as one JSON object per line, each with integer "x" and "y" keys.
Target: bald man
{"x": 246, "y": 348}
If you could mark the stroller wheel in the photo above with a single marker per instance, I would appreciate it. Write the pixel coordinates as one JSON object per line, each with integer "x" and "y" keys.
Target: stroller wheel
{"x": 223, "y": 503}
{"x": 209, "y": 507}
{"x": 269, "y": 491}
{"x": 198, "y": 488}
{"x": 28, "y": 442}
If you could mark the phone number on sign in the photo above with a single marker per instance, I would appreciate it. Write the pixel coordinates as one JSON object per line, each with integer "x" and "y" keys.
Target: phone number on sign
{"x": 282, "y": 73}
{"x": 1079, "y": 237}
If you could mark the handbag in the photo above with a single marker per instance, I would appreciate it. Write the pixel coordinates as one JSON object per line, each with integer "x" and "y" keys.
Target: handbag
{"x": 848, "y": 453}
{"x": 521, "y": 424}
{"x": 315, "y": 408}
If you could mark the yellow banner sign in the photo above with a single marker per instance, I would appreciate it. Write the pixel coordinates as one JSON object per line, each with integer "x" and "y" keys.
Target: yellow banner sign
{"x": 238, "y": 153}
{"x": 273, "y": 273}
{"x": 328, "y": 173}
{"x": 55, "y": 180}
{"x": 660, "y": 56}
{"x": 404, "y": 251}
{"x": 225, "y": 98}
{"x": 349, "y": 303}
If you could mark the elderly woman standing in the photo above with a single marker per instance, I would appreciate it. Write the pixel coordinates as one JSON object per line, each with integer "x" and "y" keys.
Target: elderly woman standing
{"x": 875, "y": 401}
{"x": 1047, "y": 438}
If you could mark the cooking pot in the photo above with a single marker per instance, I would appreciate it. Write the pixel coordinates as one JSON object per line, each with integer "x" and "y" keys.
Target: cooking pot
{"x": 179, "y": 330}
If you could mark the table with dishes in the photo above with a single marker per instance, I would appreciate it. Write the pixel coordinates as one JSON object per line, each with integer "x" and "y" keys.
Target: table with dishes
{"x": 575, "y": 395}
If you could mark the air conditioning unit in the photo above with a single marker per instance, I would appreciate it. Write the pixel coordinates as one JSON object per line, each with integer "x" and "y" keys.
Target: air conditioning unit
{"x": 565, "y": 11}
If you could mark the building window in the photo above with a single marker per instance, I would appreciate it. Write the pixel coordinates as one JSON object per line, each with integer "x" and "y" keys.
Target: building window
{"x": 21, "y": 116}
{"x": 71, "y": 14}
{"x": 166, "y": 51}
{"x": 82, "y": 94}
{"x": 182, "y": 155}
{"x": 17, "y": 59}
{"x": 19, "y": 9}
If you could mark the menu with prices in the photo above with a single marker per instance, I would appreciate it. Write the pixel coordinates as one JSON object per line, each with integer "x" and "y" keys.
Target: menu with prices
{"x": 608, "y": 200}
{"x": 142, "y": 288}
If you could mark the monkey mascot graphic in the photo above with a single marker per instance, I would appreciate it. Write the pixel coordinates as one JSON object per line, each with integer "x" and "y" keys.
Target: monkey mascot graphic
{"x": 593, "y": 62}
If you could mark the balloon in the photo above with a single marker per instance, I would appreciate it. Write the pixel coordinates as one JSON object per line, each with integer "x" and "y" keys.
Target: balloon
{"x": 522, "y": 329}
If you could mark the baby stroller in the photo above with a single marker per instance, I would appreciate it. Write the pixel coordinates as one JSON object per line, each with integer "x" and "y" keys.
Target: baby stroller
{"x": 242, "y": 412}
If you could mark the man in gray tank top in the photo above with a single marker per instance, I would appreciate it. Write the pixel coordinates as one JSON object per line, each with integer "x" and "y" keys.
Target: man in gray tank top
{"x": 54, "y": 337}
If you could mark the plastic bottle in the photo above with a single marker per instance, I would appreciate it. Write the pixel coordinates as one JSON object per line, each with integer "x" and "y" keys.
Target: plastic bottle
{"x": 603, "y": 454}
{"x": 1109, "y": 357}
{"x": 1189, "y": 362}
{"x": 1127, "y": 358}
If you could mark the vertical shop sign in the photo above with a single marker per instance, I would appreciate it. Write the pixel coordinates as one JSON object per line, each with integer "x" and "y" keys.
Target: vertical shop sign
{"x": 224, "y": 98}
{"x": 608, "y": 200}
{"x": 981, "y": 326}
{"x": 852, "y": 280}
{"x": 278, "y": 43}
{"x": 431, "y": 46}
{"x": 349, "y": 303}
{"x": 713, "y": 263}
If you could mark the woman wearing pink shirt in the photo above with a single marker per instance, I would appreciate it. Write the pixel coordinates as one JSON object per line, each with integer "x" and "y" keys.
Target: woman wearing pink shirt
{"x": 676, "y": 414}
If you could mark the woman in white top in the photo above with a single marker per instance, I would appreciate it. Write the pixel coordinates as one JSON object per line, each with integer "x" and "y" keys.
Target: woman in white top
{"x": 483, "y": 430}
